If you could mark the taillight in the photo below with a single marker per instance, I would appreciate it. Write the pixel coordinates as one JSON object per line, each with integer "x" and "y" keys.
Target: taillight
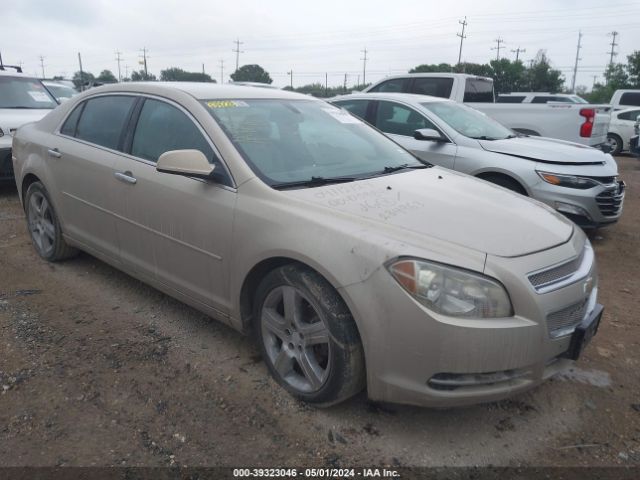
{"x": 587, "y": 127}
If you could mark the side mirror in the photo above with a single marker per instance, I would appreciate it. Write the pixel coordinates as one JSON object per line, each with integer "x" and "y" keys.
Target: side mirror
{"x": 189, "y": 163}
{"x": 429, "y": 134}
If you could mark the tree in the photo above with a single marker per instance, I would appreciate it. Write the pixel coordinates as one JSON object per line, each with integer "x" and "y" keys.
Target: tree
{"x": 251, "y": 73}
{"x": 541, "y": 77}
{"x": 483, "y": 70}
{"x": 175, "y": 74}
{"x": 106, "y": 77}
{"x": 633, "y": 69}
{"x": 508, "y": 76}
{"x": 87, "y": 78}
{"x": 141, "y": 76}
{"x": 432, "y": 68}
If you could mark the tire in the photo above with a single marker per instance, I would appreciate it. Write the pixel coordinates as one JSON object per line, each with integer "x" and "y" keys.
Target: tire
{"x": 311, "y": 346}
{"x": 506, "y": 182}
{"x": 44, "y": 226}
{"x": 615, "y": 142}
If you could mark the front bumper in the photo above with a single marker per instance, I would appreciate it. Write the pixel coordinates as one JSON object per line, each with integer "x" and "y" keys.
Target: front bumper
{"x": 417, "y": 357}
{"x": 6, "y": 165}
{"x": 596, "y": 207}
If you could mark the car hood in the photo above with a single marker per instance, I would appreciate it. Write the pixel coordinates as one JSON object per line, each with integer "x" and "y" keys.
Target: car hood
{"x": 450, "y": 206}
{"x": 11, "y": 119}
{"x": 546, "y": 150}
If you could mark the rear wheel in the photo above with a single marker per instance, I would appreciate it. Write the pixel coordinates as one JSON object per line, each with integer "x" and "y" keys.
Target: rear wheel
{"x": 506, "y": 182}
{"x": 307, "y": 336}
{"x": 615, "y": 142}
{"x": 44, "y": 227}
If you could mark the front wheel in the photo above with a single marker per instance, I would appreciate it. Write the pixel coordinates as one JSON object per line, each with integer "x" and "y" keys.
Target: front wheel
{"x": 308, "y": 337}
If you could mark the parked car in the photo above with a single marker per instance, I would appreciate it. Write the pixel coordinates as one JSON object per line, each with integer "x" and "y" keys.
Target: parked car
{"x": 23, "y": 99}
{"x": 578, "y": 181}
{"x": 621, "y": 129}
{"x": 623, "y": 99}
{"x": 585, "y": 124}
{"x": 539, "y": 97}
{"x": 60, "y": 91}
{"x": 351, "y": 261}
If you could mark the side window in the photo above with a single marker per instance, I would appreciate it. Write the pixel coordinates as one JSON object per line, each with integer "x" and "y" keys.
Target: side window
{"x": 356, "y": 107}
{"x": 434, "y": 86}
{"x": 390, "y": 86}
{"x": 103, "y": 119}
{"x": 162, "y": 127}
{"x": 509, "y": 99}
{"x": 397, "y": 119}
{"x": 632, "y": 115}
{"x": 630, "y": 98}
{"x": 70, "y": 124}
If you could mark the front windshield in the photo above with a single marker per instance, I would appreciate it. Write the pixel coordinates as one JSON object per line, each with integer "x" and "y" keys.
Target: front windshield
{"x": 61, "y": 91}
{"x": 287, "y": 141}
{"x": 27, "y": 93}
{"x": 467, "y": 121}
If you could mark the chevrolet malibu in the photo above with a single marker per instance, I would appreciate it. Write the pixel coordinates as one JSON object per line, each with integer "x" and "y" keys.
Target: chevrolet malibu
{"x": 352, "y": 262}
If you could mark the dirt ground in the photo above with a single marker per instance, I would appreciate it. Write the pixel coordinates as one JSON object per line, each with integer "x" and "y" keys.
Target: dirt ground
{"x": 96, "y": 368}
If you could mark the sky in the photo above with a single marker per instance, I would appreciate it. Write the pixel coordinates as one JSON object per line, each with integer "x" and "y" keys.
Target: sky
{"x": 310, "y": 38}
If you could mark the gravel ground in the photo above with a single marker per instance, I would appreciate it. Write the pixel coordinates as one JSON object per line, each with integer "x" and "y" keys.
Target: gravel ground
{"x": 96, "y": 368}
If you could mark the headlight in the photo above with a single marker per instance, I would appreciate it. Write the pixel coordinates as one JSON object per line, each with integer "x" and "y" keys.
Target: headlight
{"x": 570, "y": 181}
{"x": 452, "y": 291}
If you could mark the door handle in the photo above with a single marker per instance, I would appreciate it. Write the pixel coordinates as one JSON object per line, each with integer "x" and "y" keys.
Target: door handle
{"x": 54, "y": 152}
{"x": 126, "y": 177}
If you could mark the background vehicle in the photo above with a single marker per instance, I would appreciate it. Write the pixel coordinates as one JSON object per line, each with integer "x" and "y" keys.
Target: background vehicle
{"x": 280, "y": 214}
{"x": 538, "y": 97}
{"x": 578, "y": 181}
{"x": 23, "y": 99}
{"x": 625, "y": 99}
{"x": 621, "y": 129}
{"x": 60, "y": 91}
{"x": 583, "y": 124}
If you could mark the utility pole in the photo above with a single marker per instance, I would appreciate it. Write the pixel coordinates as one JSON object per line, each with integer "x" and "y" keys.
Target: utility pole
{"x": 498, "y": 41}
{"x": 1, "y": 65}
{"x": 613, "y": 44}
{"x": 144, "y": 62}
{"x": 326, "y": 84}
{"x": 126, "y": 71}
{"x": 203, "y": 69}
{"x": 575, "y": 66}
{"x": 237, "y": 51}
{"x": 462, "y": 37}
{"x": 345, "y": 83}
{"x": 221, "y": 71}
{"x": 518, "y": 51}
{"x": 81, "y": 73}
{"x": 118, "y": 59}
{"x": 595, "y": 77}
{"x": 290, "y": 73}
{"x": 42, "y": 65}
{"x": 364, "y": 67}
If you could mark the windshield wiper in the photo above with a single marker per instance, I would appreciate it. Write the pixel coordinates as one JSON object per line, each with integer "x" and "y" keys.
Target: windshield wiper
{"x": 313, "y": 182}
{"x": 404, "y": 166}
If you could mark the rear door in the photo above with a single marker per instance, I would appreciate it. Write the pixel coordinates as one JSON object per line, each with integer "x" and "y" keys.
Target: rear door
{"x": 175, "y": 229}
{"x": 400, "y": 122}
{"x": 83, "y": 156}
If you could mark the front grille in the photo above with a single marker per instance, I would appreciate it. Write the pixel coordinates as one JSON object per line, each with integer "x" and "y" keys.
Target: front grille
{"x": 610, "y": 201}
{"x": 556, "y": 274}
{"x": 6, "y": 165}
{"x": 564, "y": 321}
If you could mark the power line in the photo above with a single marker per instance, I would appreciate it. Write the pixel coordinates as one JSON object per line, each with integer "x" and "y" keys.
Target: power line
{"x": 498, "y": 41}
{"x": 518, "y": 51}
{"x": 462, "y": 37}
{"x": 237, "y": 51}
{"x": 118, "y": 59}
{"x": 364, "y": 67}
{"x": 575, "y": 67}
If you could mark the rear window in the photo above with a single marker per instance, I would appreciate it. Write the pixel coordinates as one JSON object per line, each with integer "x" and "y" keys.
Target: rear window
{"x": 509, "y": 99}
{"x": 478, "y": 90}
{"x": 547, "y": 99}
{"x": 394, "y": 85}
{"x": 434, "y": 86}
{"x": 630, "y": 98}
{"x": 356, "y": 107}
{"x": 24, "y": 93}
{"x": 103, "y": 120}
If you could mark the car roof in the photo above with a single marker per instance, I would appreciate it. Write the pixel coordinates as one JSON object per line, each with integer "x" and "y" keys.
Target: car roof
{"x": 202, "y": 90}
{"x": 406, "y": 97}
{"x": 13, "y": 73}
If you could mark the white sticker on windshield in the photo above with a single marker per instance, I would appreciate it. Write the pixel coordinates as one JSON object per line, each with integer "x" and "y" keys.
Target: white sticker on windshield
{"x": 341, "y": 115}
{"x": 39, "y": 96}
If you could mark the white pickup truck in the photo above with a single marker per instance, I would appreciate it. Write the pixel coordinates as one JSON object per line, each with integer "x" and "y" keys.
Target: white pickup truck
{"x": 574, "y": 122}
{"x": 622, "y": 99}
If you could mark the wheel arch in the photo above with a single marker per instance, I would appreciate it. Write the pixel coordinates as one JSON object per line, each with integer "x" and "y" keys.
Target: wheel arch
{"x": 485, "y": 174}
{"x": 27, "y": 180}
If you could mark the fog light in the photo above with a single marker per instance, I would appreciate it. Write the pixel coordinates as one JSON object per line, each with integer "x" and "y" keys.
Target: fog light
{"x": 572, "y": 209}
